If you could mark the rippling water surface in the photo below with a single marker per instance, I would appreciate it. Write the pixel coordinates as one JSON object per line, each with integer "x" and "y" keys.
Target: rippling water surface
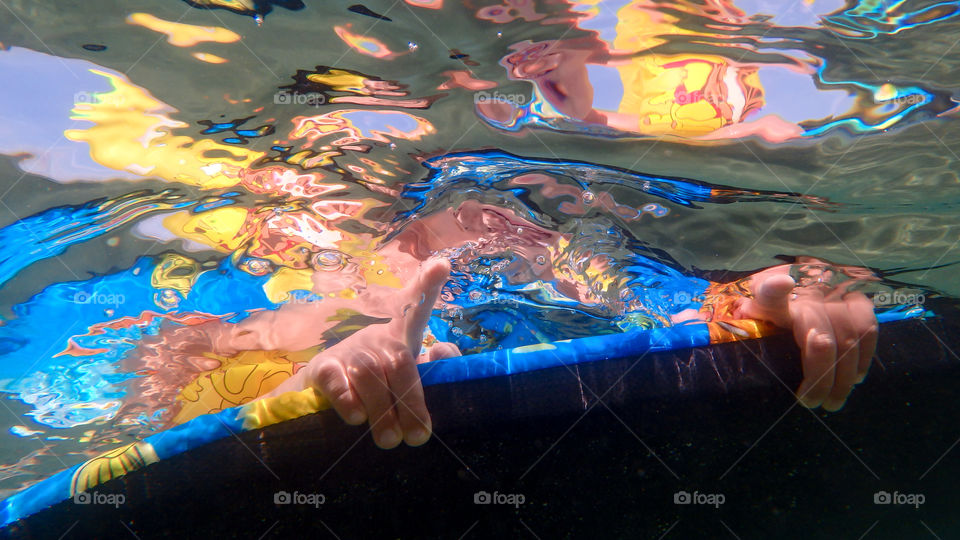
{"x": 167, "y": 164}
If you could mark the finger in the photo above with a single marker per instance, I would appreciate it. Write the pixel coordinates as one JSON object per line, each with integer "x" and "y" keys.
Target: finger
{"x": 439, "y": 351}
{"x": 773, "y": 292}
{"x": 814, "y": 335}
{"x": 865, "y": 322}
{"x": 771, "y": 300}
{"x": 368, "y": 380}
{"x": 848, "y": 351}
{"x": 424, "y": 293}
{"x": 329, "y": 377}
{"x": 411, "y": 408}
{"x": 442, "y": 350}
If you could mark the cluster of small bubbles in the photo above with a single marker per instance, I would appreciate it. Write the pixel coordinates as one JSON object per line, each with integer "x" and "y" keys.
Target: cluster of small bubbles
{"x": 456, "y": 331}
{"x": 412, "y": 46}
{"x": 329, "y": 260}
{"x": 588, "y": 197}
{"x": 168, "y": 298}
{"x": 257, "y": 267}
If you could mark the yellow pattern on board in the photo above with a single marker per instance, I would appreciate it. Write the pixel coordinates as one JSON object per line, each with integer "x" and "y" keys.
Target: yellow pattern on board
{"x": 112, "y": 464}
{"x": 286, "y": 406}
{"x": 175, "y": 271}
{"x": 237, "y": 381}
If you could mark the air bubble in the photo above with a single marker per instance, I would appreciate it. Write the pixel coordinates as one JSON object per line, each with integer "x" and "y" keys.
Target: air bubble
{"x": 328, "y": 260}
{"x": 588, "y": 197}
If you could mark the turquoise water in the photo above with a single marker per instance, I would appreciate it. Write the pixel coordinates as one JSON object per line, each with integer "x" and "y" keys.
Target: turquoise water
{"x": 152, "y": 182}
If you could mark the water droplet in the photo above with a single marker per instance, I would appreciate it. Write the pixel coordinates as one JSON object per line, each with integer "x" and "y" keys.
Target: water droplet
{"x": 519, "y": 230}
{"x": 258, "y": 19}
{"x": 499, "y": 34}
{"x": 108, "y": 312}
{"x": 588, "y": 197}
{"x": 541, "y": 259}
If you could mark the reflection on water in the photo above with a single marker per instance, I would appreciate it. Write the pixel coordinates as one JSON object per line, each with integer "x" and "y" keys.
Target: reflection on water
{"x": 507, "y": 137}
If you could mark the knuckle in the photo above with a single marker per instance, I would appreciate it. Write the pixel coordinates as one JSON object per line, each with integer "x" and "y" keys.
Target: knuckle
{"x": 364, "y": 368}
{"x": 823, "y": 343}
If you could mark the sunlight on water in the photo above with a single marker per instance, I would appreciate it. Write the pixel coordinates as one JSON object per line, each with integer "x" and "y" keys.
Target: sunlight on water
{"x": 178, "y": 168}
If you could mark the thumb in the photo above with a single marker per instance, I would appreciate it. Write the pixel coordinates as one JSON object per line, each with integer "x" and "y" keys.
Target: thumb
{"x": 771, "y": 299}
{"x": 422, "y": 294}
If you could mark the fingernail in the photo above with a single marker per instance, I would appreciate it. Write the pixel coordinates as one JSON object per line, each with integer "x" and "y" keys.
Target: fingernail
{"x": 390, "y": 438}
{"x": 833, "y": 406}
{"x": 356, "y": 418}
{"x": 417, "y": 436}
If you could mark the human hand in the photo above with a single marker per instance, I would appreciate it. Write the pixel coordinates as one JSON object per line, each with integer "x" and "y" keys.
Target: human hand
{"x": 835, "y": 328}
{"x": 372, "y": 375}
